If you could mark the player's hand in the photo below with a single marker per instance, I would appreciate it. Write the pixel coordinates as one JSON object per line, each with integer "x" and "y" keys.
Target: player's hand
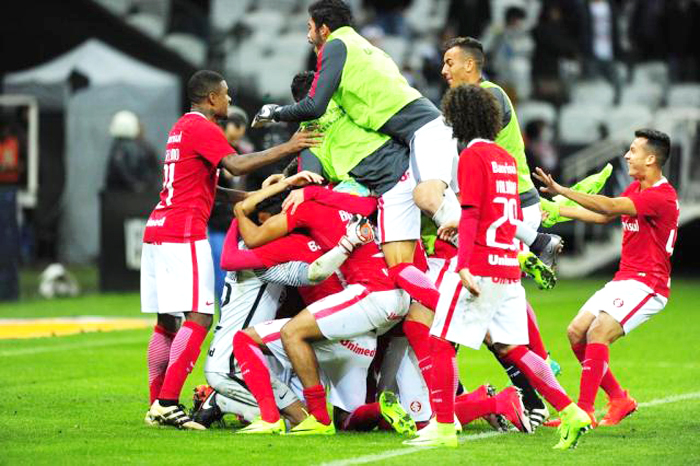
{"x": 448, "y": 231}
{"x": 550, "y": 186}
{"x": 469, "y": 282}
{"x": 304, "y": 178}
{"x": 303, "y": 139}
{"x": 272, "y": 179}
{"x": 264, "y": 115}
{"x": 293, "y": 200}
{"x": 358, "y": 231}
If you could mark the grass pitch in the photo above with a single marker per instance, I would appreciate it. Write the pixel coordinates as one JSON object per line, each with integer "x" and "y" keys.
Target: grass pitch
{"x": 82, "y": 398}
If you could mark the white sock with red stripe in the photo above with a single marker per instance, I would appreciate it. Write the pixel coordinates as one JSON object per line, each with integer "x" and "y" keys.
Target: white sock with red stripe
{"x": 158, "y": 358}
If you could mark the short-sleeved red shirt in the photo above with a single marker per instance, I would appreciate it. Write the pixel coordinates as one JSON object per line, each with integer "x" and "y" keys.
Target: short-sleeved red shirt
{"x": 649, "y": 237}
{"x": 326, "y": 225}
{"x": 194, "y": 149}
{"x": 298, "y": 247}
{"x": 488, "y": 180}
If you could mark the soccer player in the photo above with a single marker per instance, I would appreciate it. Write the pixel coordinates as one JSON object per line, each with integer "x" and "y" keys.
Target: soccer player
{"x": 177, "y": 274}
{"x": 486, "y": 296}
{"x": 370, "y": 301}
{"x": 463, "y": 62}
{"x": 640, "y": 288}
{"x": 368, "y": 86}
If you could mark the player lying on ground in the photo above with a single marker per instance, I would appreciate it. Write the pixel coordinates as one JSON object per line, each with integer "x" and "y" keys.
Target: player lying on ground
{"x": 640, "y": 289}
{"x": 253, "y": 292}
{"x": 485, "y": 297}
{"x": 177, "y": 274}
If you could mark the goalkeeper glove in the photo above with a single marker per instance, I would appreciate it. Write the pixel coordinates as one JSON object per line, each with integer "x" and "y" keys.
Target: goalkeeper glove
{"x": 359, "y": 231}
{"x": 265, "y": 115}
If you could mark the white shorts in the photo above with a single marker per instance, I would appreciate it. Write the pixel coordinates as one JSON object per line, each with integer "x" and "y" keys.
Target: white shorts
{"x": 357, "y": 310}
{"x": 234, "y": 397}
{"x": 398, "y": 216}
{"x": 400, "y": 373}
{"x": 630, "y": 302}
{"x": 438, "y": 267}
{"x": 177, "y": 277}
{"x": 434, "y": 154}
{"x": 343, "y": 363}
{"x": 500, "y": 310}
{"x": 532, "y": 216}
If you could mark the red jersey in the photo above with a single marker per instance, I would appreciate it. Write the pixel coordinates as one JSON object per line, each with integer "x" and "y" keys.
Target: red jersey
{"x": 194, "y": 149}
{"x": 649, "y": 237}
{"x": 298, "y": 247}
{"x": 488, "y": 180}
{"x": 326, "y": 225}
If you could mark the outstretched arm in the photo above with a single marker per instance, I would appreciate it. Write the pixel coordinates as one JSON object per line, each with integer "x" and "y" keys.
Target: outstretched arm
{"x": 603, "y": 205}
{"x": 585, "y": 215}
{"x": 364, "y": 206}
{"x": 238, "y": 164}
{"x": 235, "y": 258}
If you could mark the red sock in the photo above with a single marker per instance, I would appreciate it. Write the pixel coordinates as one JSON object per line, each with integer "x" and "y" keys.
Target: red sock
{"x": 467, "y": 410}
{"x": 418, "y": 335}
{"x": 444, "y": 379}
{"x": 416, "y": 283}
{"x": 477, "y": 395}
{"x": 256, "y": 375}
{"x": 364, "y": 418}
{"x": 594, "y": 366}
{"x": 536, "y": 344}
{"x": 540, "y": 375}
{"x": 316, "y": 401}
{"x": 183, "y": 356}
{"x": 609, "y": 383}
{"x": 158, "y": 358}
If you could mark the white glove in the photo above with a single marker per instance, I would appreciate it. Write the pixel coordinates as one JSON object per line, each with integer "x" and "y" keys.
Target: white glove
{"x": 359, "y": 231}
{"x": 264, "y": 115}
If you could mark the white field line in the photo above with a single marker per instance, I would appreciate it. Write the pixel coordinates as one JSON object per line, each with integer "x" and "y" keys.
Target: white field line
{"x": 72, "y": 346}
{"x": 408, "y": 451}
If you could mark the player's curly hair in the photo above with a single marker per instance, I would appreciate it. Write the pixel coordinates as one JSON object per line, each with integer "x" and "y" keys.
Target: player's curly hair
{"x": 333, "y": 13}
{"x": 473, "y": 113}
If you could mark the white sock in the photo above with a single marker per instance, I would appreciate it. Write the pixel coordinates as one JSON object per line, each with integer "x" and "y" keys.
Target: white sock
{"x": 525, "y": 233}
{"x": 449, "y": 209}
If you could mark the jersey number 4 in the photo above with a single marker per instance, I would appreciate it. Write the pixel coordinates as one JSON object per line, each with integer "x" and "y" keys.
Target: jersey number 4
{"x": 510, "y": 215}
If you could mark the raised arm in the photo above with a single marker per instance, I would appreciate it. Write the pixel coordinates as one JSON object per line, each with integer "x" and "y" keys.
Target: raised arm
{"x": 238, "y": 164}
{"x": 364, "y": 206}
{"x": 606, "y": 206}
{"x": 235, "y": 258}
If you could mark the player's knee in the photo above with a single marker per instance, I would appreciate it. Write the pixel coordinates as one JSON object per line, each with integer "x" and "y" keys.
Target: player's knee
{"x": 289, "y": 333}
{"x": 205, "y": 320}
{"x": 500, "y": 350}
{"x": 575, "y": 334}
{"x": 428, "y": 195}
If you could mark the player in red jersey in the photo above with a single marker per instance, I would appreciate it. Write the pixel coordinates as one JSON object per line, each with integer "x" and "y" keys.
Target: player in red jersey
{"x": 640, "y": 288}
{"x": 370, "y": 301}
{"x": 176, "y": 268}
{"x": 485, "y": 297}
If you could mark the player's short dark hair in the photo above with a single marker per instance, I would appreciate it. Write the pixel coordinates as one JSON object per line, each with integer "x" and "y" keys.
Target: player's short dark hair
{"x": 201, "y": 84}
{"x": 473, "y": 113}
{"x": 301, "y": 83}
{"x": 272, "y": 205}
{"x": 514, "y": 13}
{"x": 292, "y": 168}
{"x": 658, "y": 143}
{"x": 469, "y": 46}
{"x": 333, "y": 13}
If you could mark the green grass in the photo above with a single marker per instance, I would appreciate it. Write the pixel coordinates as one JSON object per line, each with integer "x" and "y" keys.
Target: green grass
{"x": 81, "y": 399}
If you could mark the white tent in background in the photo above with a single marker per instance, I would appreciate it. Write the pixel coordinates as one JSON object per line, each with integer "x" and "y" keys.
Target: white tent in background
{"x": 108, "y": 81}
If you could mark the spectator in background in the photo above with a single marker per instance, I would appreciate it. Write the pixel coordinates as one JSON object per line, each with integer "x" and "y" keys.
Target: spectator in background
{"x": 234, "y": 127}
{"x": 509, "y": 51}
{"x": 389, "y": 15}
{"x": 133, "y": 164}
{"x": 647, "y": 33}
{"x": 601, "y": 43}
{"x": 10, "y": 163}
{"x": 469, "y": 18}
{"x": 682, "y": 19}
{"x": 553, "y": 41}
{"x": 540, "y": 150}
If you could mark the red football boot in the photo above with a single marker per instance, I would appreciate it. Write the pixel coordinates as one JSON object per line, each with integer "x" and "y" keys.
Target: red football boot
{"x": 618, "y": 409}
